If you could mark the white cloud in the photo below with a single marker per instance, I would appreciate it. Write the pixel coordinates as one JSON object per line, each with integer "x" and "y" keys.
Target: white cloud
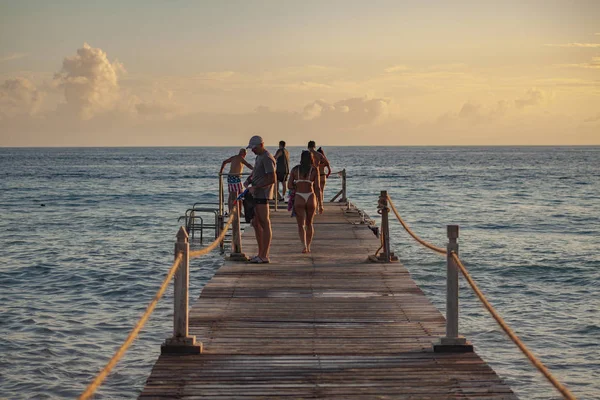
{"x": 397, "y": 68}
{"x": 13, "y": 56}
{"x": 580, "y": 45}
{"x": 90, "y": 82}
{"x": 19, "y": 97}
{"x": 595, "y": 63}
{"x": 313, "y": 110}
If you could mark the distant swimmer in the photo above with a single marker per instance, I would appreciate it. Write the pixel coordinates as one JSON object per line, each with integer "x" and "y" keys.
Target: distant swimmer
{"x": 234, "y": 181}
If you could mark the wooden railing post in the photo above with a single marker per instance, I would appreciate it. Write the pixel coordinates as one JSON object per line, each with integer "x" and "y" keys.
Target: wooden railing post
{"x": 221, "y": 223}
{"x": 181, "y": 342}
{"x": 221, "y": 194}
{"x": 344, "y": 198}
{"x": 452, "y": 342}
{"x": 386, "y": 255}
{"x": 236, "y": 244}
{"x": 385, "y": 226}
{"x": 451, "y": 283}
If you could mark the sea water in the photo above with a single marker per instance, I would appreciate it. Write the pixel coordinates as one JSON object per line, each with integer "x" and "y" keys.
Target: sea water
{"x": 86, "y": 237}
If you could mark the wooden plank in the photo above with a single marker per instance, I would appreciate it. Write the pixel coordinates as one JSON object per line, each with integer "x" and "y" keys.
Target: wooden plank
{"x": 321, "y": 325}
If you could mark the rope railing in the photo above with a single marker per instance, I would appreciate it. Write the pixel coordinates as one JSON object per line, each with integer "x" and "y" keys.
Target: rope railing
{"x": 101, "y": 376}
{"x": 452, "y": 341}
{"x": 92, "y": 387}
{"x": 411, "y": 233}
{"x": 532, "y": 358}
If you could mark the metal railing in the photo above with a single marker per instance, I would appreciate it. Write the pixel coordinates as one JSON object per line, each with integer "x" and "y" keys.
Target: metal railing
{"x": 342, "y": 192}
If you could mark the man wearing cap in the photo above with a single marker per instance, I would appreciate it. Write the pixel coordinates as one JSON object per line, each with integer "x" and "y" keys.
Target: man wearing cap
{"x": 263, "y": 180}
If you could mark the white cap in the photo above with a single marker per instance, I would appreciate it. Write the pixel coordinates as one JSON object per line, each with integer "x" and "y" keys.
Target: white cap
{"x": 254, "y": 141}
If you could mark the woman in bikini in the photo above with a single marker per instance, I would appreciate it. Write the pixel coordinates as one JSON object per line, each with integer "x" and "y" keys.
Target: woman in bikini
{"x": 304, "y": 179}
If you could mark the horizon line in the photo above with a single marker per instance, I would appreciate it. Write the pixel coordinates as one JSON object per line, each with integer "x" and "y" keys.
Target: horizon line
{"x": 276, "y": 145}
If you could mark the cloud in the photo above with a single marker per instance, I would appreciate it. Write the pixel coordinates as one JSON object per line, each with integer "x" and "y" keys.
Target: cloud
{"x": 447, "y": 67}
{"x": 19, "y": 97}
{"x": 397, "y": 68}
{"x": 473, "y": 113}
{"x": 14, "y": 56}
{"x": 595, "y": 118}
{"x": 579, "y": 45}
{"x": 90, "y": 82}
{"x": 161, "y": 106}
{"x": 470, "y": 111}
{"x": 533, "y": 97}
{"x": 348, "y": 113}
{"x": 313, "y": 110}
{"x": 595, "y": 63}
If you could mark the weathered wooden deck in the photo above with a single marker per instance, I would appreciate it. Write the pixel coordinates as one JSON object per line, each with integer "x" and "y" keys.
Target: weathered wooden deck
{"x": 323, "y": 325}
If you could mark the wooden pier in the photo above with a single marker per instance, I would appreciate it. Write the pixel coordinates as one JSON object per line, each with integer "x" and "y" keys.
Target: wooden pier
{"x": 328, "y": 324}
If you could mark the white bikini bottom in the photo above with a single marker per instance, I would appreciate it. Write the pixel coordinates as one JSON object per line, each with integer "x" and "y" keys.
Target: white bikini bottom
{"x": 305, "y": 196}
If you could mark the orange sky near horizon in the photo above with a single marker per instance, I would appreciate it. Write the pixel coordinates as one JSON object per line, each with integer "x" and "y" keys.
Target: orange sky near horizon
{"x": 185, "y": 73}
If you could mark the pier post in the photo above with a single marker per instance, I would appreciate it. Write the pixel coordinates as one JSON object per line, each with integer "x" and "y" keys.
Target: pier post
{"x": 452, "y": 342}
{"x": 344, "y": 198}
{"x": 236, "y": 244}
{"x": 386, "y": 254}
{"x": 221, "y": 194}
{"x": 385, "y": 226}
{"x": 221, "y": 223}
{"x": 181, "y": 342}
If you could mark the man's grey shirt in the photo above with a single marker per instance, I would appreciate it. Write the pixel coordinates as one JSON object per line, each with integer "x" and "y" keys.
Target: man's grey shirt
{"x": 264, "y": 164}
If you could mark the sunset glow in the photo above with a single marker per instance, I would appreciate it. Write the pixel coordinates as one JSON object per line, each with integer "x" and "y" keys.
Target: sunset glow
{"x": 187, "y": 73}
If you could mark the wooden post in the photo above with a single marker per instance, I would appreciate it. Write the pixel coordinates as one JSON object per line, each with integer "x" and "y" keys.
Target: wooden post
{"x": 451, "y": 283}
{"x": 181, "y": 342}
{"x": 221, "y": 224}
{"x": 385, "y": 226}
{"x": 452, "y": 342}
{"x": 386, "y": 255}
{"x": 221, "y": 194}
{"x": 344, "y": 198}
{"x": 236, "y": 245}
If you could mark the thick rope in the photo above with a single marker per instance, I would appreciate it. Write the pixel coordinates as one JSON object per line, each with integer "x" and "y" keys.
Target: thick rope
{"x": 133, "y": 334}
{"x": 89, "y": 391}
{"x": 411, "y": 233}
{"x": 538, "y": 364}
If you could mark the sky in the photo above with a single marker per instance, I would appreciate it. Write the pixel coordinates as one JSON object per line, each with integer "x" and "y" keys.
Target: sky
{"x": 214, "y": 73}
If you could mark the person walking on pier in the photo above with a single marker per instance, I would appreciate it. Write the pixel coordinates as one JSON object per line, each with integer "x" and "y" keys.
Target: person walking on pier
{"x": 234, "y": 180}
{"x": 319, "y": 162}
{"x": 282, "y": 156}
{"x": 304, "y": 180}
{"x": 263, "y": 180}
{"x": 323, "y": 176}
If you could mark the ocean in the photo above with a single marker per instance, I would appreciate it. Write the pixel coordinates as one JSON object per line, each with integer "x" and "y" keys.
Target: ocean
{"x": 86, "y": 237}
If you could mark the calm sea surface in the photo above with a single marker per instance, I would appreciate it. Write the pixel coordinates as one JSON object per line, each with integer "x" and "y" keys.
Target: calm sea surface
{"x": 76, "y": 273}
